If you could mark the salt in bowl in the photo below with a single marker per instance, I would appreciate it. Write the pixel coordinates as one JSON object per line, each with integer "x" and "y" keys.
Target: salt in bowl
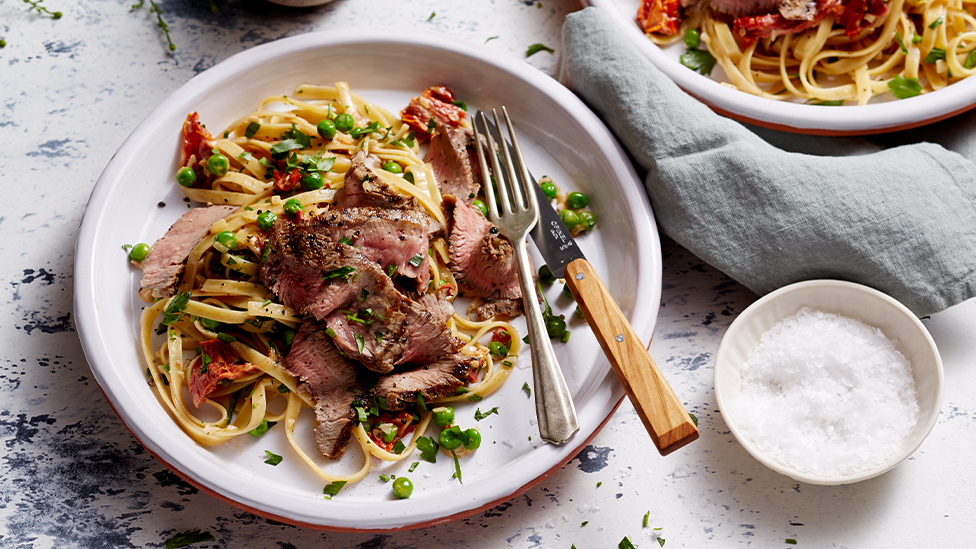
{"x": 847, "y": 299}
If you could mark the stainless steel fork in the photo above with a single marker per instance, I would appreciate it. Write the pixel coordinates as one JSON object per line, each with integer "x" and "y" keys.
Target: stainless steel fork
{"x": 519, "y": 213}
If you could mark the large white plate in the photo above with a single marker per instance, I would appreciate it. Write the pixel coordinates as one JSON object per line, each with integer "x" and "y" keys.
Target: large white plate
{"x": 563, "y": 139}
{"x": 881, "y": 117}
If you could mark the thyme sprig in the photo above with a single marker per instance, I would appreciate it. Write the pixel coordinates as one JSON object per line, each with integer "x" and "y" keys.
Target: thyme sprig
{"x": 154, "y": 8}
{"x": 36, "y": 5}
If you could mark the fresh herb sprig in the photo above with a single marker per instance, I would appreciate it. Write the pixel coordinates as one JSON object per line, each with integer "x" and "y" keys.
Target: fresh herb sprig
{"x": 35, "y": 5}
{"x": 154, "y": 9}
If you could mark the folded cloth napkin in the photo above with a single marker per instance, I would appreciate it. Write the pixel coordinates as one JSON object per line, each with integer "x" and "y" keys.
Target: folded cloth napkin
{"x": 902, "y": 220}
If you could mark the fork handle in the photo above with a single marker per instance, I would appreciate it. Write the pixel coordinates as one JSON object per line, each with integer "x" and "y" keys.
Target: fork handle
{"x": 662, "y": 413}
{"x": 553, "y": 402}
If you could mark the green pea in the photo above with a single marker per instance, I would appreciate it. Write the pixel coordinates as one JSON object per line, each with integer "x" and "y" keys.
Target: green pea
{"x": 472, "y": 439}
{"x": 267, "y": 220}
{"x": 292, "y": 207}
{"x": 393, "y": 167}
{"x": 225, "y": 241}
{"x": 497, "y": 349}
{"x": 186, "y": 176}
{"x": 450, "y": 439}
{"x": 545, "y": 275}
{"x": 570, "y": 219}
{"x": 568, "y": 293}
{"x": 586, "y": 220}
{"x": 443, "y": 416}
{"x": 481, "y": 207}
{"x": 402, "y": 487}
{"x": 576, "y": 200}
{"x": 139, "y": 252}
{"x": 555, "y": 326}
{"x": 692, "y": 38}
{"x": 326, "y": 129}
{"x": 218, "y": 165}
{"x": 391, "y": 434}
{"x": 549, "y": 189}
{"x": 312, "y": 181}
{"x": 344, "y": 122}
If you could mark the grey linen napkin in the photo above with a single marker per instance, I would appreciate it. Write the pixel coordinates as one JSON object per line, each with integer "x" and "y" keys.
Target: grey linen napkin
{"x": 901, "y": 220}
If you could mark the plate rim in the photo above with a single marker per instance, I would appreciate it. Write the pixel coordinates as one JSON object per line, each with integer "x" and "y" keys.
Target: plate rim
{"x": 798, "y": 118}
{"x": 85, "y": 288}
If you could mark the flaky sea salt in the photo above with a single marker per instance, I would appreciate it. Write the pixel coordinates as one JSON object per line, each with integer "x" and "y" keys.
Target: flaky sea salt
{"x": 826, "y": 394}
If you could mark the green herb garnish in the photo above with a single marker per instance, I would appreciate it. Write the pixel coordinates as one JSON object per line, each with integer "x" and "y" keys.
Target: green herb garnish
{"x": 478, "y": 416}
{"x": 273, "y": 459}
{"x": 536, "y": 48}
{"x": 903, "y": 88}
{"x": 188, "y": 538}
{"x": 333, "y": 488}
{"x": 698, "y": 60}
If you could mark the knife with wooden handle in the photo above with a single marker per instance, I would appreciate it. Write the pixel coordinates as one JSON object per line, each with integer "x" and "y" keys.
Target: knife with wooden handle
{"x": 663, "y": 415}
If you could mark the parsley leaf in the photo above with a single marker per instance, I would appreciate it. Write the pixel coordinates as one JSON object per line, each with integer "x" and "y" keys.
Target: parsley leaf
{"x": 903, "y": 88}
{"x": 970, "y": 60}
{"x": 175, "y": 309}
{"x": 416, "y": 260}
{"x": 333, "y": 488}
{"x": 188, "y": 538}
{"x": 626, "y": 544}
{"x": 478, "y": 416}
{"x": 457, "y": 467}
{"x": 398, "y": 447}
{"x": 372, "y": 127}
{"x": 252, "y": 129}
{"x": 474, "y": 398}
{"x": 413, "y": 466}
{"x": 935, "y": 55}
{"x": 262, "y": 428}
{"x": 536, "y": 48}
{"x": 901, "y": 44}
{"x": 526, "y": 388}
{"x": 282, "y": 147}
{"x": 273, "y": 459}
{"x": 935, "y": 24}
{"x": 694, "y": 420}
{"x": 360, "y": 342}
{"x": 428, "y": 449}
{"x": 698, "y": 60}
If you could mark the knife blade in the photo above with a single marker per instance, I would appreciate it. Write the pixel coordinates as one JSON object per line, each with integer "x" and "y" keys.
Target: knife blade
{"x": 663, "y": 415}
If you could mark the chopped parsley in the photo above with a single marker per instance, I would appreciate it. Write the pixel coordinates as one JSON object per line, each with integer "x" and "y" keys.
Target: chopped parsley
{"x": 398, "y": 447}
{"x": 903, "y": 88}
{"x": 536, "y": 48}
{"x": 385, "y": 478}
{"x": 188, "y": 538}
{"x": 626, "y": 544}
{"x": 647, "y": 517}
{"x": 526, "y": 388}
{"x": 413, "y": 466}
{"x": 584, "y": 523}
{"x": 261, "y": 429}
{"x": 273, "y": 459}
{"x": 432, "y": 14}
{"x": 361, "y": 414}
{"x": 694, "y": 418}
{"x": 935, "y": 24}
{"x": 330, "y": 332}
{"x": 478, "y": 416}
{"x": 252, "y": 129}
{"x": 428, "y": 449}
{"x": 474, "y": 398}
{"x": 935, "y": 56}
{"x": 391, "y": 270}
{"x": 360, "y": 342}
{"x": 341, "y": 272}
{"x": 970, "y": 59}
{"x": 790, "y": 541}
{"x": 490, "y": 38}
{"x": 416, "y": 260}
{"x": 175, "y": 309}
{"x": 901, "y": 44}
{"x": 333, "y": 488}
{"x": 348, "y": 242}
{"x": 698, "y": 60}
{"x": 457, "y": 467}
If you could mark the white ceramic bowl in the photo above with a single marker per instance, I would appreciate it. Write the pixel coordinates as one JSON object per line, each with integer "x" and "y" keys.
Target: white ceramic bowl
{"x": 885, "y": 115}
{"x": 848, "y": 299}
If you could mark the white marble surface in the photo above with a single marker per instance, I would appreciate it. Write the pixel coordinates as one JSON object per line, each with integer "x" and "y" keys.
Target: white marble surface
{"x": 71, "y": 475}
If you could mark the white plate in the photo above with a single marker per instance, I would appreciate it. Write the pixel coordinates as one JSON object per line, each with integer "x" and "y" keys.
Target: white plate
{"x": 885, "y": 116}
{"x": 562, "y": 138}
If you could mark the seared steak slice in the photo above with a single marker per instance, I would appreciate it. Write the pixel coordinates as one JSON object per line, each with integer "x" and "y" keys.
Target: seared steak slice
{"x": 162, "y": 267}
{"x": 428, "y": 338}
{"x": 337, "y": 283}
{"x": 454, "y": 160}
{"x": 481, "y": 258}
{"x": 485, "y": 310}
{"x": 385, "y": 236}
{"x": 436, "y": 380}
{"x": 331, "y": 380}
{"x": 363, "y": 187}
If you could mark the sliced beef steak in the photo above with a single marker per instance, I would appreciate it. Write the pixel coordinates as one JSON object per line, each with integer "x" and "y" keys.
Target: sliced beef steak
{"x": 485, "y": 310}
{"x": 386, "y": 236}
{"x": 363, "y": 187}
{"x": 331, "y": 380}
{"x": 440, "y": 379}
{"x": 481, "y": 258}
{"x": 162, "y": 267}
{"x": 454, "y": 160}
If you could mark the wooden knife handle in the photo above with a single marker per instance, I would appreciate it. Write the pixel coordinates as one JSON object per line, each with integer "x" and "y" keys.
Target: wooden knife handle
{"x": 664, "y": 417}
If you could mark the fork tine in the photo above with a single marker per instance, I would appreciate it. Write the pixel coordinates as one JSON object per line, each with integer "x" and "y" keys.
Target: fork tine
{"x": 526, "y": 195}
{"x": 514, "y": 185}
{"x": 500, "y": 175}
{"x": 485, "y": 172}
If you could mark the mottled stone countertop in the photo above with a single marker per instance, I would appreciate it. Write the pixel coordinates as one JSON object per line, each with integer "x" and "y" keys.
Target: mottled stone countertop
{"x": 71, "y": 475}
